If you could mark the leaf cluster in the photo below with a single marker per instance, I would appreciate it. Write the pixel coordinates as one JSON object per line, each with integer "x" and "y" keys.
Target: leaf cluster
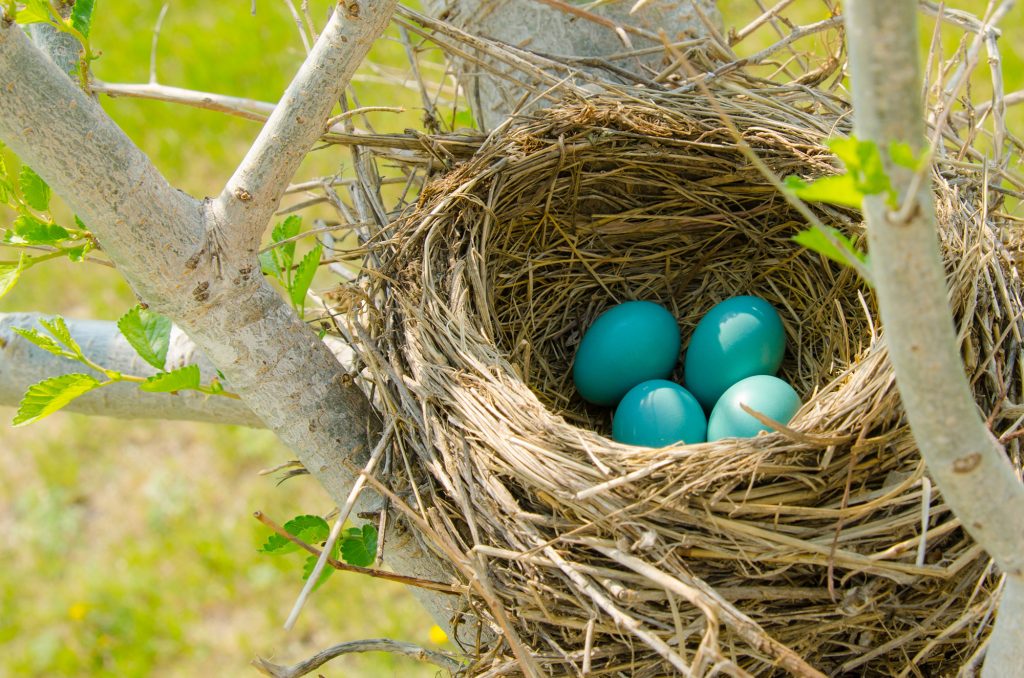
{"x": 356, "y": 546}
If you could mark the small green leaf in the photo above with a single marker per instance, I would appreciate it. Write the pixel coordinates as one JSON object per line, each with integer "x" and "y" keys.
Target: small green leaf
{"x": 76, "y": 254}
{"x": 846, "y": 253}
{"x": 359, "y": 546}
{"x": 268, "y": 264}
{"x": 181, "y": 379}
{"x": 464, "y": 120}
{"x": 149, "y": 334}
{"x": 304, "y": 276}
{"x": 839, "y": 189}
{"x": 50, "y": 395}
{"x": 59, "y": 329}
{"x": 307, "y": 569}
{"x": 9, "y": 274}
{"x": 35, "y": 190}
{"x": 6, "y": 187}
{"x": 36, "y": 232}
{"x": 903, "y": 155}
{"x": 35, "y": 11}
{"x": 81, "y": 224}
{"x": 81, "y": 16}
{"x": 284, "y": 255}
{"x": 310, "y": 529}
{"x": 44, "y": 342}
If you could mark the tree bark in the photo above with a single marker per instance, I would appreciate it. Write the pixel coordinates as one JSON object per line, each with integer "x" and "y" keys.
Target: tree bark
{"x": 969, "y": 466}
{"x": 548, "y": 28}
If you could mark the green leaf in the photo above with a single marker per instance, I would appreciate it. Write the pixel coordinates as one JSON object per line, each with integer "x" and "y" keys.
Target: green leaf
{"x": 58, "y": 328}
{"x": 846, "y": 253}
{"x": 903, "y": 155}
{"x": 304, "y": 276}
{"x": 310, "y": 529}
{"x": 76, "y": 254}
{"x": 35, "y": 190}
{"x": 464, "y": 119}
{"x": 840, "y": 189}
{"x": 50, "y": 395}
{"x": 6, "y": 187}
{"x": 9, "y": 274}
{"x": 268, "y": 264}
{"x": 35, "y": 11}
{"x": 36, "y": 232}
{"x": 44, "y": 342}
{"x": 81, "y": 16}
{"x": 149, "y": 334}
{"x": 307, "y": 569}
{"x": 181, "y": 379}
{"x": 360, "y": 546}
{"x": 284, "y": 255}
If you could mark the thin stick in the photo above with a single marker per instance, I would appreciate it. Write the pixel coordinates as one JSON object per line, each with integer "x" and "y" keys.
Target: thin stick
{"x": 338, "y": 565}
{"x": 441, "y": 659}
{"x": 156, "y": 39}
{"x": 332, "y": 538}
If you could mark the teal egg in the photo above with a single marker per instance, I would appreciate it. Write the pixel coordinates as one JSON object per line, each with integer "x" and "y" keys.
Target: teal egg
{"x": 763, "y": 393}
{"x": 657, "y": 413}
{"x": 738, "y": 338}
{"x": 626, "y": 345}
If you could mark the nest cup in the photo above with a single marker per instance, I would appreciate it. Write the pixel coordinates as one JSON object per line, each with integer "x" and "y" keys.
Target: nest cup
{"x": 823, "y": 545}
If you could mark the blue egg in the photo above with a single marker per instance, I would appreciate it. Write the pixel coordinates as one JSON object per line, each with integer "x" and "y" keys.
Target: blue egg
{"x": 626, "y": 345}
{"x": 738, "y": 338}
{"x": 762, "y": 393}
{"x": 657, "y": 413}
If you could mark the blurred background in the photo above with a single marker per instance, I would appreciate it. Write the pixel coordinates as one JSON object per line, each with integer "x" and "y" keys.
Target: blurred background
{"x": 129, "y": 548}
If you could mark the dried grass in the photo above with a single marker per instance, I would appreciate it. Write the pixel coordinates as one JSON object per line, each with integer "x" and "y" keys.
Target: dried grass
{"x": 821, "y": 547}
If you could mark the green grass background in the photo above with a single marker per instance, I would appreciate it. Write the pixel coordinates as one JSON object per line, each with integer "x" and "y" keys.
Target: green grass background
{"x": 128, "y": 548}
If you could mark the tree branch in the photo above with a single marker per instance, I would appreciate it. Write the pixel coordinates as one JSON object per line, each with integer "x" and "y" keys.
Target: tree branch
{"x": 966, "y": 462}
{"x": 254, "y": 192}
{"x": 439, "y": 659}
{"x": 23, "y": 364}
{"x": 158, "y": 238}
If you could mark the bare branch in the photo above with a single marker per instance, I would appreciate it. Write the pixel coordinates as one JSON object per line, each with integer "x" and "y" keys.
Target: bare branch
{"x": 22, "y": 364}
{"x": 372, "y": 645}
{"x": 253, "y": 194}
{"x": 967, "y": 463}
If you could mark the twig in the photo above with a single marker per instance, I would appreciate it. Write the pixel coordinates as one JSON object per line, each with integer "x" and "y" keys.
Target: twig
{"x": 343, "y": 515}
{"x": 441, "y": 659}
{"x": 254, "y": 191}
{"x": 338, "y": 565}
{"x": 156, "y": 40}
{"x": 298, "y": 23}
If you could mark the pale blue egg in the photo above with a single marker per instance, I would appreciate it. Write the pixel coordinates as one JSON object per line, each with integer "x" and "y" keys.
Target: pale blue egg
{"x": 627, "y": 344}
{"x": 762, "y": 393}
{"x": 736, "y": 339}
{"x": 657, "y": 413}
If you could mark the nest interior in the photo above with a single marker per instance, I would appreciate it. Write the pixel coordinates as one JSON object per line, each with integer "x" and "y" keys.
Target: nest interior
{"x": 822, "y": 546}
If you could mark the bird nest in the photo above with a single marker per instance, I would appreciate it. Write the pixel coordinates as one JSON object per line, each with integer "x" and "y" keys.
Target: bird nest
{"x": 822, "y": 546}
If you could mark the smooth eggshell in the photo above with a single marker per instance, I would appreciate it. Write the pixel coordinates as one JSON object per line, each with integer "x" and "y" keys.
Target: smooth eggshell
{"x": 627, "y": 344}
{"x": 736, "y": 339}
{"x": 657, "y": 413}
{"x": 762, "y": 393}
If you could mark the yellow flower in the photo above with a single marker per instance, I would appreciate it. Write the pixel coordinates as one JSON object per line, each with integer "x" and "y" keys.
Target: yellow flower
{"x": 437, "y": 635}
{"x": 77, "y": 611}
